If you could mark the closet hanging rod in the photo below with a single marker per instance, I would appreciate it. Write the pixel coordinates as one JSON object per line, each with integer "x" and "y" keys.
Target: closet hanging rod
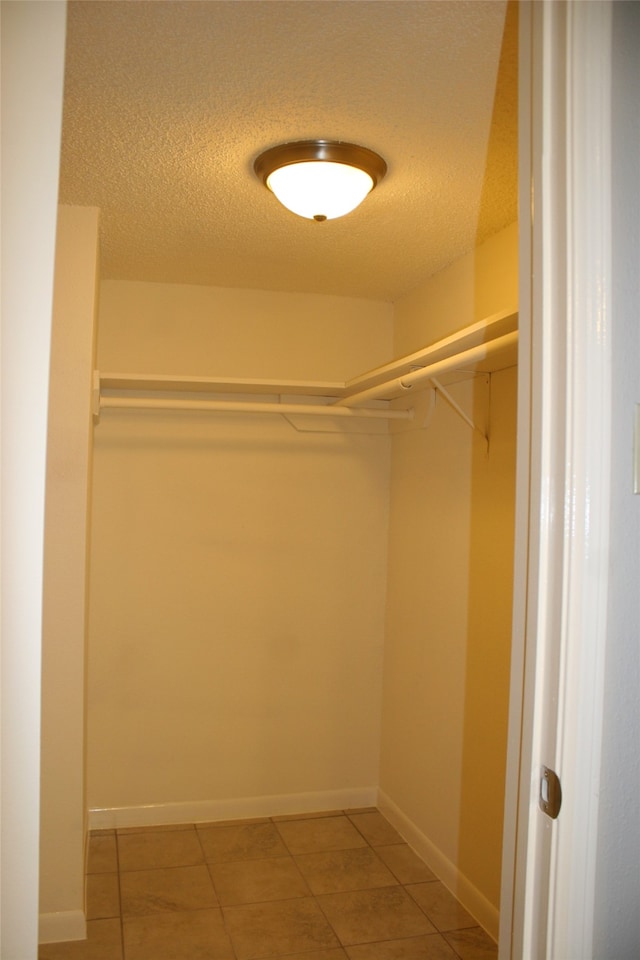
{"x": 407, "y": 380}
{"x": 483, "y": 331}
{"x": 245, "y": 406}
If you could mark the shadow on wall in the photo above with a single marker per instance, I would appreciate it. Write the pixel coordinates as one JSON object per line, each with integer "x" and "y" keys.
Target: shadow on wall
{"x": 488, "y": 653}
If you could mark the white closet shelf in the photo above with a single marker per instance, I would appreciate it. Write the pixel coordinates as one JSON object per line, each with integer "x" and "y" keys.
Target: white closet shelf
{"x": 140, "y": 382}
{"x": 486, "y": 346}
{"x": 479, "y": 348}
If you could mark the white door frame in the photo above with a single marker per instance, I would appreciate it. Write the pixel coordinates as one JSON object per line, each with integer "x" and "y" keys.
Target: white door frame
{"x": 33, "y": 39}
{"x": 560, "y": 601}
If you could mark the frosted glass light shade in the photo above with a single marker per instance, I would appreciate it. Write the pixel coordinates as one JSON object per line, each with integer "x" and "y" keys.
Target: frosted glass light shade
{"x": 320, "y": 179}
{"x": 320, "y": 190}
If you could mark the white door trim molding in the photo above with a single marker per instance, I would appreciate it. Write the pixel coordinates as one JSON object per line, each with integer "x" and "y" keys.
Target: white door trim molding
{"x": 587, "y": 480}
{"x": 33, "y": 45}
{"x": 560, "y": 602}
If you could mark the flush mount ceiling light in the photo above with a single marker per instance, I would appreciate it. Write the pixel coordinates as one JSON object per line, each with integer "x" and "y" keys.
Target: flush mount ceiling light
{"x": 320, "y": 179}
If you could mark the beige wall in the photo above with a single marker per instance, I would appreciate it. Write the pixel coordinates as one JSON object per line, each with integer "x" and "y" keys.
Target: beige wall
{"x": 218, "y": 331}
{"x": 63, "y": 807}
{"x": 446, "y": 669}
{"x": 238, "y": 566}
{"x": 470, "y": 289}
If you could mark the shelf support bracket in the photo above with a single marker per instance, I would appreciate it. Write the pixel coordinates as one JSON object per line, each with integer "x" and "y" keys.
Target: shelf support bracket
{"x": 458, "y": 409}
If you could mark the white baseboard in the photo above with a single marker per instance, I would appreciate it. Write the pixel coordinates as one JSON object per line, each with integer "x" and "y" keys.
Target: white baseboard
{"x": 487, "y": 915}
{"x": 198, "y": 811}
{"x": 64, "y": 925}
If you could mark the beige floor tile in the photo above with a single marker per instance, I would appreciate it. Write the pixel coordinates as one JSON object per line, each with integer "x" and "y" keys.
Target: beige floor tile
{"x": 265, "y": 871}
{"x": 375, "y": 828}
{"x": 279, "y": 928}
{"x": 319, "y": 815}
{"x": 192, "y": 935}
{"x": 253, "y": 881}
{"x": 335, "y": 953}
{"x": 312, "y": 836}
{"x": 366, "y": 916}
{"x": 156, "y": 849}
{"x": 440, "y": 906}
{"x": 431, "y": 947}
{"x": 103, "y": 897}
{"x": 162, "y": 827}
{"x": 168, "y": 889}
{"x": 104, "y": 942}
{"x": 231, "y": 823}
{"x": 335, "y": 870}
{"x": 227, "y": 843}
{"x": 103, "y": 856}
{"x": 404, "y": 863}
{"x": 473, "y": 944}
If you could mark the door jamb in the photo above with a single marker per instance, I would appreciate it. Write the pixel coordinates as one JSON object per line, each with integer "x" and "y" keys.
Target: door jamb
{"x": 562, "y": 514}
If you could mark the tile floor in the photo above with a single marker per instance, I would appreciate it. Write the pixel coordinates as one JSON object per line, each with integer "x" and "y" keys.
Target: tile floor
{"x": 332, "y": 886}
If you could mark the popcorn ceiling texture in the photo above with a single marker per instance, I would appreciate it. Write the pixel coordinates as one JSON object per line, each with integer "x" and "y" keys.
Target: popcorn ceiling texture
{"x": 168, "y": 103}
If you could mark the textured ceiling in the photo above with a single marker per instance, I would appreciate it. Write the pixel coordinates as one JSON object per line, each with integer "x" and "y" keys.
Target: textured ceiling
{"x": 168, "y": 103}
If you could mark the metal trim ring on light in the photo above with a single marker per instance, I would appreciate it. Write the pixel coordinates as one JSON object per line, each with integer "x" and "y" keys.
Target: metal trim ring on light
{"x": 309, "y": 151}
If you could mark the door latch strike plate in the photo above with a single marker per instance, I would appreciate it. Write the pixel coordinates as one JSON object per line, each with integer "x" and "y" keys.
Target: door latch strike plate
{"x": 550, "y": 799}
